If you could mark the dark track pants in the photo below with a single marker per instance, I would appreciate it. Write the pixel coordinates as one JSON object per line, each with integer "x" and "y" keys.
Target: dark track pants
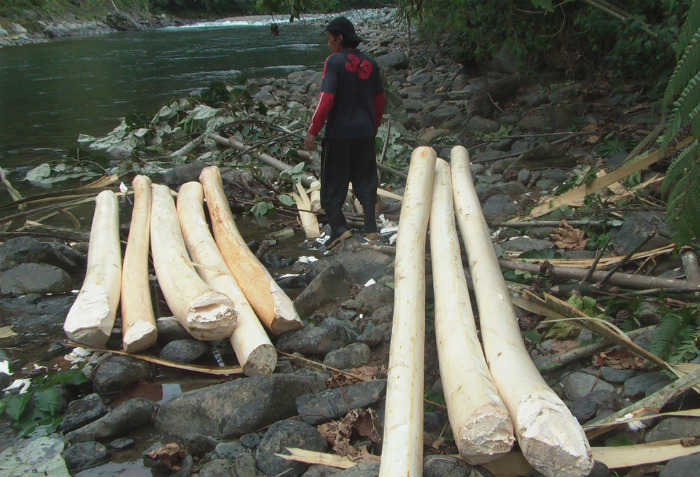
{"x": 344, "y": 161}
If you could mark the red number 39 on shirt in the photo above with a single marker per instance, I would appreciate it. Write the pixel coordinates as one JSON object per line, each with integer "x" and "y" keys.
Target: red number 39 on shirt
{"x": 362, "y": 68}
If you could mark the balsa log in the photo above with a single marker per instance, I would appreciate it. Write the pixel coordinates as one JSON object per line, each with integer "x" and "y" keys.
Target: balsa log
{"x": 551, "y": 439}
{"x": 205, "y": 314}
{"x": 315, "y": 196}
{"x": 139, "y": 330}
{"x": 402, "y": 451}
{"x": 479, "y": 419}
{"x": 309, "y": 222}
{"x": 271, "y": 304}
{"x": 91, "y": 318}
{"x": 251, "y": 344}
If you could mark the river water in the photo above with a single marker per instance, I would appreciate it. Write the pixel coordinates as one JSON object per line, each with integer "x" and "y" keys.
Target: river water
{"x": 51, "y": 92}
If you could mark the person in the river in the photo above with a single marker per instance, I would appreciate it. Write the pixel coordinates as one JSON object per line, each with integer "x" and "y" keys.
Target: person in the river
{"x": 351, "y": 105}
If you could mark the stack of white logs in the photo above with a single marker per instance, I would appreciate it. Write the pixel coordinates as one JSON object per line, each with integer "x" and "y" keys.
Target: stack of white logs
{"x": 215, "y": 286}
{"x": 490, "y": 401}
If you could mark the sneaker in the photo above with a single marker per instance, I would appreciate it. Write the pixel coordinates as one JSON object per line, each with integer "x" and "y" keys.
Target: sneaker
{"x": 372, "y": 236}
{"x": 335, "y": 241}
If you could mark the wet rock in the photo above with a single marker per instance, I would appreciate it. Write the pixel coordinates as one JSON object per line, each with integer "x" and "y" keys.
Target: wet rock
{"x": 30, "y": 313}
{"x": 674, "y": 428}
{"x": 577, "y": 385}
{"x": 445, "y": 466}
{"x": 218, "y": 468}
{"x": 178, "y": 175}
{"x": 127, "y": 416}
{"x": 35, "y": 278}
{"x": 374, "y": 336}
{"x": 640, "y": 385}
{"x": 119, "y": 372}
{"x": 83, "y": 411}
{"x": 504, "y": 88}
{"x": 273, "y": 261}
{"x": 250, "y": 441}
{"x": 285, "y": 434}
{"x": 121, "y": 444}
{"x": 526, "y": 244}
{"x": 434, "y": 421}
{"x": 482, "y": 125}
{"x": 121, "y": 21}
{"x": 362, "y": 265}
{"x": 19, "y": 250}
{"x": 353, "y": 355}
{"x": 599, "y": 470}
{"x": 230, "y": 450}
{"x": 370, "y": 298}
{"x": 363, "y": 469}
{"x": 513, "y": 190}
{"x": 638, "y": 226}
{"x": 321, "y": 471}
{"x": 245, "y": 465}
{"x": 333, "y": 282}
{"x": 587, "y": 407}
{"x": 681, "y": 466}
{"x": 311, "y": 340}
{"x": 198, "y": 445}
{"x": 169, "y": 329}
{"x": 615, "y": 375}
{"x": 498, "y": 207}
{"x": 34, "y": 456}
{"x": 383, "y": 314}
{"x": 85, "y": 455}
{"x": 260, "y": 400}
{"x": 334, "y": 403}
{"x": 396, "y": 60}
{"x": 184, "y": 351}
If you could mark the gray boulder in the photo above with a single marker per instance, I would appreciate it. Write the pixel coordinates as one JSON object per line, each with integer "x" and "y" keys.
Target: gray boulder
{"x": 285, "y": 434}
{"x": 184, "y": 351}
{"x": 361, "y": 265}
{"x": 169, "y": 329}
{"x": 85, "y": 456}
{"x": 334, "y": 403}
{"x": 218, "y": 468}
{"x": 371, "y": 298}
{"x": 119, "y": 372}
{"x": 497, "y": 207}
{"x": 259, "y": 401}
{"x": 674, "y": 428}
{"x": 353, "y": 355}
{"x": 363, "y": 469}
{"x": 83, "y": 411}
{"x": 526, "y": 244}
{"x": 396, "y": 60}
{"x": 644, "y": 384}
{"x": 178, "y": 175}
{"x": 35, "y": 278}
{"x": 127, "y": 416}
{"x": 319, "y": 340}
{"x": 577, "y": 385}
{"x": 681, "y": 466}
{"x": 445, "y": 466}
{"x": 637, "y": 227}
{"x": 19, "y": 250}
{"x": 332, "y": 283}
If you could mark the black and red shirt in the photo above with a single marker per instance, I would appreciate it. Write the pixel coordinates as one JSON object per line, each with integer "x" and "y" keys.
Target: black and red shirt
{"x": 352, "y": 97}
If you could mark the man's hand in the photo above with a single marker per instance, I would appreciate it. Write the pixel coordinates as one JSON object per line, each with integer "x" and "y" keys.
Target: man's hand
{"x": 309, "y": 142}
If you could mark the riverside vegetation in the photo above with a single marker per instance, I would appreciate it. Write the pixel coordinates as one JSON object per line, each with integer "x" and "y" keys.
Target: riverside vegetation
{"x": 530, "y": 137}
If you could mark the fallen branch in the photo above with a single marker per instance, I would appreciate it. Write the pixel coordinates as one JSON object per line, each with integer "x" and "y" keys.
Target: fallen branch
{"x": 691, "y": 266}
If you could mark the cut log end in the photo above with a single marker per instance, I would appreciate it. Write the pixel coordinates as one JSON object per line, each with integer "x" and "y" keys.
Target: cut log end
{"x": 488, "y": 435}
{"x": 90, "y": 319}
{"x": 211, "y": 317}
{"x": 286, "y": 316}
{"x": 140, "y": 336}
{"x": 262, "y": 360}
{"x": 87, "y": 336}
{"x": 550, "y": 442}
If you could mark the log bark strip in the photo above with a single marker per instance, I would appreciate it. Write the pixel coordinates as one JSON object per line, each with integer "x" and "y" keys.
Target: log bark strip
{"x": 139, "y": 330}
{"x": 91, "y": 318}
{"x": 402, "y": 452}
{"x": 251, "y": 344}
{"x": 479, "y": 419}
{"x": 271, "y": 304}
{"x": 550, "y": 437}
{"x": 203, "y": 312}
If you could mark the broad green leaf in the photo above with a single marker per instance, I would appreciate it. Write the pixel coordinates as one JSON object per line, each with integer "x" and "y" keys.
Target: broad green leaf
{"x": 73, "y": 377}
{"x": 15, "y": 405}
{"x": 47, "y": 399}
{"x": 298, "y": 168}
{"x": 286, "y": 200}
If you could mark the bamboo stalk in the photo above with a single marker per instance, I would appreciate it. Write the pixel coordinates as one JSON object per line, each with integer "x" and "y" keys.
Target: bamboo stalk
{"x": 479, "y": 419}
{"x": 550, "y": 437}
{"x": 271, "y": 304}
{"x": 91, "y": 318}
{"x": 139, "y": 330}
{"x": 203, "y": 312}
{"x": 251, "y": 344}
{"x": 402, "y": 452}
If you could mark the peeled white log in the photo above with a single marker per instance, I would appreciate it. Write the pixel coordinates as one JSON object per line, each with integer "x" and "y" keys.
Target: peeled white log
{"x": 139, "y": 330}
{"x": 91, "y": 318}
{"x": 479, "y": 419}
{"x": 309, "y": 222}
{"x": 315, "y": 195}
{"x": 251, "y": 344}
{"x": 205, "y": 314}
{"x": 271, "y": 304}
{"x": 551, "y": 439}
{"x": 402, "y": 452}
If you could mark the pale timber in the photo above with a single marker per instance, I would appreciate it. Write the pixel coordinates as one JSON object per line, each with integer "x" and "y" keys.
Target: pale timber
{"x": 271, "y": 304}
{"x": 91, "y": 318}
{"x": 309, "y": 222}
{"x": 480, "y": 423}
{"x": 205, "y": 314}
{"x": 315, "y": 196}
{"x": 550, "y": 437}
{"x": 139, "y": 330}
{"x": 402, "y": 451}
{"x": 249, "y": 340}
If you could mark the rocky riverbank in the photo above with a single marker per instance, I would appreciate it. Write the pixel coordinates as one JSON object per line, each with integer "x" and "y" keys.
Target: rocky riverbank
{"x": 527, "y": 138}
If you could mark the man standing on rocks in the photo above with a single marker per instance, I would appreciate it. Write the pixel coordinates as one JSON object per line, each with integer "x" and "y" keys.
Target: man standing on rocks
{"x": 351, "y": 105}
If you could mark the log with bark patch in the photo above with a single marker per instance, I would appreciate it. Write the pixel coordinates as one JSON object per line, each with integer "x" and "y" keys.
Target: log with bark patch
{"x": 91, "y": 318}
{"x": 271, "y": 304}
{"x": 551, "y": 439}
{"x": 251, "y": 344}
{"x": 139, "y": 330}
{"x": 479, "y": 419}
{"x": 402, "y": 451}
{"x": 205, "y": 314}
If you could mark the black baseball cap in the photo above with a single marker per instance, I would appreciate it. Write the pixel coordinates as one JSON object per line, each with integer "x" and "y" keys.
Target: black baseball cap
{"x": 345, "y": 27}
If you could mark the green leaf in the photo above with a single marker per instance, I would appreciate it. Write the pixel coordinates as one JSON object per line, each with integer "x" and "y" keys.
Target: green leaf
{"x": 533, "y": 336}
{"x": 47, "y": 399}
{"x": 286, "y": 200}
{"x": 262, "y": 208}
{"x": 72, "y": 377}
{"x": 15, "y": 405}
{"x": 298, "y": 168}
